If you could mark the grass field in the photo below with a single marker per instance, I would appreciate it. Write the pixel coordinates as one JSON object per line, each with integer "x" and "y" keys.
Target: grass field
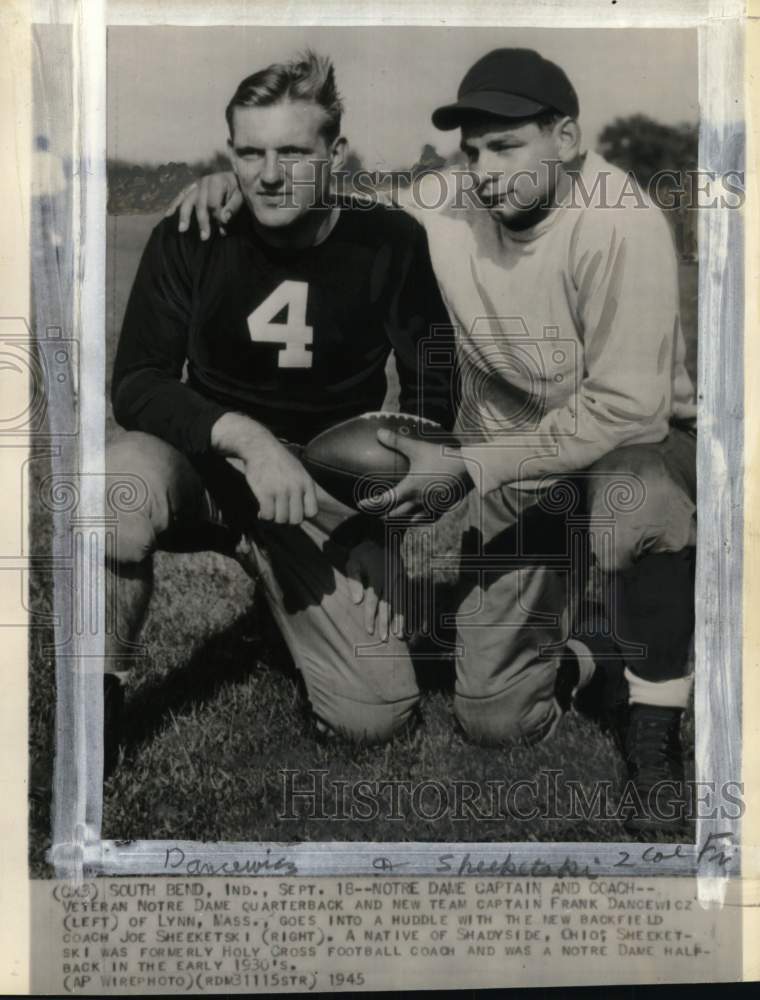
{"x": 216, "y": 709}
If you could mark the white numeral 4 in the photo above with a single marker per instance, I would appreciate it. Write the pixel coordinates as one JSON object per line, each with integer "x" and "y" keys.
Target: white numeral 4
{"x": 294, "y": 334}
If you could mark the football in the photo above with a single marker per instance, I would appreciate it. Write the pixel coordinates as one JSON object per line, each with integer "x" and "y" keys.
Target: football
{"x": 349, "y": 462}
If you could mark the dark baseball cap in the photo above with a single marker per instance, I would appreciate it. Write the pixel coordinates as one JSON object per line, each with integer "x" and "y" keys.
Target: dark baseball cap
{"x": 510, "y": 83}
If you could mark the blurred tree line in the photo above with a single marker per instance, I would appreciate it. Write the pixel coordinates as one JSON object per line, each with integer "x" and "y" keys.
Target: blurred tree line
{"x": 646, "y": 148}
{"x": 142, "y": 188}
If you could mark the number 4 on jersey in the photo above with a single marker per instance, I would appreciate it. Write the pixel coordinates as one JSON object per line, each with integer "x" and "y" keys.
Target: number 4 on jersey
{"x": 294, "y": 335}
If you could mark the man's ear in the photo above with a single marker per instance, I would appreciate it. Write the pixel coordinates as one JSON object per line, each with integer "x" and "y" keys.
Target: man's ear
{"x": 568, "y": 133}
{"x": 338, "y": 154}
{"x": 231, "y": 155}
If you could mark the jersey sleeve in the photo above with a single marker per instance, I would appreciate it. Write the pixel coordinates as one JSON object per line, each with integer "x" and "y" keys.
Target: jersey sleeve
{"x": 147, "y": 391}
{"x": 427, "y": 373}
{"x": 625, "y": 271}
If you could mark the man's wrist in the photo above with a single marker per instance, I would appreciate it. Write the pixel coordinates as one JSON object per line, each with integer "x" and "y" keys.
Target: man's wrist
{"x": 459, "y": 467}
{"x": 464, "y": 476}
{"x": 233, "y": 434}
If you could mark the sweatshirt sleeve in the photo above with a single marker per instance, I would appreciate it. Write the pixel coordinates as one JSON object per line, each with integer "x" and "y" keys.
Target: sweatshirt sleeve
{"x": 624, "y": 273}
{"x": 147, "y": 390}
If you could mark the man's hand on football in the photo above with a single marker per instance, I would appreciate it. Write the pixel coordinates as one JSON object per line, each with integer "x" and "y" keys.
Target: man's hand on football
{"x": 285, "y": 491}
{"x": 430, "y": 466}
{"x": 376, "y": 585}
{"x": 215, "y": 195}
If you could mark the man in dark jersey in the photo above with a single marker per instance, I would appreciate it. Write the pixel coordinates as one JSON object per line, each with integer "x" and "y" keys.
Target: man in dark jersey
{"x": 283, "y": 328}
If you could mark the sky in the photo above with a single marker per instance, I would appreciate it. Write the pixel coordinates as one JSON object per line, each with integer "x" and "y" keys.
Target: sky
{"x": 168, "y": 86}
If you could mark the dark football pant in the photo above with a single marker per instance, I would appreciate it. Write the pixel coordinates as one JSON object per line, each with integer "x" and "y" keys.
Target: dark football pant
{"x": 520, "y": 558}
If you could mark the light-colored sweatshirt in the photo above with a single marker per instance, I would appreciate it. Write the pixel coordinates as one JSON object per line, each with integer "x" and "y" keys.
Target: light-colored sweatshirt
{"x": 568, "y": 333}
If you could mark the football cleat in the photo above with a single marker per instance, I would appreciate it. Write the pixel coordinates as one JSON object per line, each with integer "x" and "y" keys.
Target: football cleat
{"x": 651, "y": 744}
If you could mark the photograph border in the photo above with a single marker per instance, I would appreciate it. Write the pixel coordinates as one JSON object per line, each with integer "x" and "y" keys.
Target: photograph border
{"x": 77, "y": 845}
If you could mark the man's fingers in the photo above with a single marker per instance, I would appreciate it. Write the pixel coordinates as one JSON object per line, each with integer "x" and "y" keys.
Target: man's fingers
{"x": 407, "y": 489}
{"x": 395, "y": 441}
{"x": 201, "y": 210}
{"x": 232, "y": 205}
{"x": 218, "y": 189}
{"x": 405, "y": 510}
{"x": 178, "y": 201}
{"x": 397, "y": 625}
{"x": 281, "y": 508}
{"x": 187, "y": 206}
{"x": 405, "y": 493}
{"x": 355, "y": 583}
{"x": 374, "y": 505}
{"x": 310, "y": 504}
{"x": 175, "y": 203}
{"x": 383, "y": 619}
{"x": 380, "y": 503}
{"x": 210, "y": 196}
{"x": 266, "y": 506}
{"x": 396, "y": 603}
{"x": 296, "y": 506}
{"x": 370, "y": 609}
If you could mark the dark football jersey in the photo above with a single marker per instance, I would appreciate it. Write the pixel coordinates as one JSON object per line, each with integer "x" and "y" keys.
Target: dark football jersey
{"x": 297, "y": 339}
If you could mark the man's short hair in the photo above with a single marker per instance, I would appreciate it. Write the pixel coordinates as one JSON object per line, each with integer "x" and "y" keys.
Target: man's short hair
{"x": 546, "y": 119}
{"x": 308, "y": 77}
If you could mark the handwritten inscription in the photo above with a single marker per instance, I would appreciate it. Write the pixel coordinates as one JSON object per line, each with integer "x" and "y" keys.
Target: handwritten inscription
{"x": 717, "y": 849}
{"x": 175, "y": 859}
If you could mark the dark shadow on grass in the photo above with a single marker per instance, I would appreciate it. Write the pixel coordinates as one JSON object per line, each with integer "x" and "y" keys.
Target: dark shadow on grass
{"x": 250, "y": 644}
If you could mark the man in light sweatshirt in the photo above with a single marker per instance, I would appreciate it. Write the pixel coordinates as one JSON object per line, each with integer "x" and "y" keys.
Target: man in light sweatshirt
{"x": 561, "y": 279}
{"x": 564, "y": 289}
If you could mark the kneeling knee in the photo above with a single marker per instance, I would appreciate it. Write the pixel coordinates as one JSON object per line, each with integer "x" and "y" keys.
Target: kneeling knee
{"x": 134, "y": 496}
{"x": 502, "y": 724}
{"x": 655, "y": 516}
{"x": 490, "y": 733}
{"x": 135, "y": 539}
{"x": 370, "y": 725}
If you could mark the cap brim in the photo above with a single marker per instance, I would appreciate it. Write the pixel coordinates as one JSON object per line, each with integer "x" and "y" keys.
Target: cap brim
{"x": 502, "y": 105}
